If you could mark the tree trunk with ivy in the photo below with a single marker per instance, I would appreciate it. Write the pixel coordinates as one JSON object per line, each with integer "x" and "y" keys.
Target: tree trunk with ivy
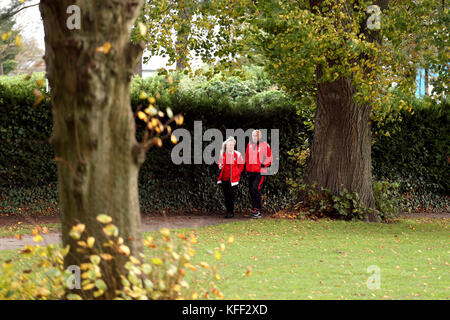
{"x": 89, "y": 72}
{"x": 341, "y": 148}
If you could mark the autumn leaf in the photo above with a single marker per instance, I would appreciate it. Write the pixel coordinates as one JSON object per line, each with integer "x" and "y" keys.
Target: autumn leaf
{"x": 38, "y": 238}
{"x": 103, "y": 218}
{"x": 142, "y": 29}
{"x": 105, "y": 48}
{"x": 39, "y": 97}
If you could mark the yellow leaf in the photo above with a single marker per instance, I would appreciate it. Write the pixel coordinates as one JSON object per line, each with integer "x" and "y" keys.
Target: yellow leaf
{"x": 43, "y": 292}
{"x": 142, "y": 115}
{"x": 105, "y": 48}
{"x": 151, "y": 110}
{"x": 123, "y": 249}
{"x": 111, "y": 230}
{"x": 134, "y": 260}
{"x": 103, "y": 218}
{"x": 142, "y": 29}
{"x": 179, "y": 119}
{"x": 40, "y": 82}
{"x": 89, "y": 286}
{"x": 106, "y": 256}
{"x": 152, "y": 100}
{"x": 6, "y": 35}
{"x": 165, "y": 232}
{"x": 95, "y": 259}
{"x": 90, "y": 242}
{"x": 35, "y": 231}
{"x": 230, "y": 239}
{"x": 158, "y": 141}
{"x": 38, "y": 238}
{"x": 169, "y": 112}
{"x": 18, "y": 41}
{"x": 173, "y": 139}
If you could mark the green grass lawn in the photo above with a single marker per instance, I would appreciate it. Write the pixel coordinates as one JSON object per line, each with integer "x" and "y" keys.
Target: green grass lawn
{"x": 293, "y": 259}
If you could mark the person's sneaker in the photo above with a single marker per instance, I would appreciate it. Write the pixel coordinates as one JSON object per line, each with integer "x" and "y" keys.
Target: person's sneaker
{"x": 256, "y": 214}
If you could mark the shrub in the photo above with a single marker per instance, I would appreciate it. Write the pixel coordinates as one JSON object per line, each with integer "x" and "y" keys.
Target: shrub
{"x": 387, "y": 198}
{"x": 160, "y": 275}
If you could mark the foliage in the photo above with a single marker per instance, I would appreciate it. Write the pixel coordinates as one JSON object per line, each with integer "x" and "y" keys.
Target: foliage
{"x": 415, "y": 149}
{"x": 24, "y": 132}
{"x": 316, "y": 203}
{"x": 313, "y": 202}
{"x": 387, "y": 198}
{"x": 29, "y": 201}
{"x": 10, "y": 42}
{"x": 412, "y": 151}
{"x": 160, "y": 275}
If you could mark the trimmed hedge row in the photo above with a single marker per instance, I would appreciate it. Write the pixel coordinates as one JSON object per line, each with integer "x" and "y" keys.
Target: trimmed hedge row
{"x": 415, "y": 153}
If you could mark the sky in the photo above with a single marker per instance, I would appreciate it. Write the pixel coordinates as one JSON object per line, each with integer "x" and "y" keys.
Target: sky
{"x": 30, "y": 22}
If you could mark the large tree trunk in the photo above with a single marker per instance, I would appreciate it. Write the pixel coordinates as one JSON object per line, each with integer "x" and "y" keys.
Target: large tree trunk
{"x": 341, "y": 148}
{"x": 94, "y": 128}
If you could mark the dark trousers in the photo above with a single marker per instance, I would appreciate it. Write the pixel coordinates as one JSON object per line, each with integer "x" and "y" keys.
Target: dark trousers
{"x": 255, "y": 181}
{"x": 228, "y": 192}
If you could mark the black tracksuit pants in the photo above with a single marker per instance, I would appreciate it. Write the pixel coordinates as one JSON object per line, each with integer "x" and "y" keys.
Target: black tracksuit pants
{"x": 255, "y": 180}
{"x": 228, "y": 192}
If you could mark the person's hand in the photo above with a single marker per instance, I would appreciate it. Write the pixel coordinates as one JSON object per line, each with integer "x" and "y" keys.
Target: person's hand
{"x": 220, "y": 166}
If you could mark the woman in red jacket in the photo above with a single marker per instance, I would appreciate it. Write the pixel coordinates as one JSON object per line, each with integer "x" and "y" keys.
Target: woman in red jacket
{"x": 258, "y": 157}
{"x": 231, "y": 165}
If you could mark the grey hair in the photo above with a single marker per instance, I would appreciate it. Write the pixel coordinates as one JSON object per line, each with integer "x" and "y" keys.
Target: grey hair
{"x": 224, "y": 145}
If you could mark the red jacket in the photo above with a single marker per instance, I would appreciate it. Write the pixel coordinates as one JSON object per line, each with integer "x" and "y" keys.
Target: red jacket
{"x": 232, "y": 162}
{"x": 258, "y": 157}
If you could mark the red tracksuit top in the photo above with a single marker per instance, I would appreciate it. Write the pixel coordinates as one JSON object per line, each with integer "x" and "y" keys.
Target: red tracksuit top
{"x": 233, "y": 165}
{"x": 258, "y": 157}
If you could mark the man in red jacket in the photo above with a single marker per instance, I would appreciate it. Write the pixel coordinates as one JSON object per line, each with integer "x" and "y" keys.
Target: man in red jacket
{"x": 258, "y": 157}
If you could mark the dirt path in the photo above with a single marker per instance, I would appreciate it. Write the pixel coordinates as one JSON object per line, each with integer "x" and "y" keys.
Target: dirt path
{"x": 148, "y": 224}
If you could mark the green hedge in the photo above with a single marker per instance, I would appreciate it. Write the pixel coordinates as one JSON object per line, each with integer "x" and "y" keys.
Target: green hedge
{"x": 415, "y": 153}
{"x": 218, "y": 104}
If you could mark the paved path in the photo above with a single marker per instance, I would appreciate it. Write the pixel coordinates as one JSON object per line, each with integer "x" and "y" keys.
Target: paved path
{"x": 148, "y": 224}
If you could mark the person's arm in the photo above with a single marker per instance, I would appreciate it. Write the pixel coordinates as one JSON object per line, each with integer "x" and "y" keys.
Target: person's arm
{"x": 240, "y": 163}
{"x": 220, "y": 163}
{"x": 267, "y": 157}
